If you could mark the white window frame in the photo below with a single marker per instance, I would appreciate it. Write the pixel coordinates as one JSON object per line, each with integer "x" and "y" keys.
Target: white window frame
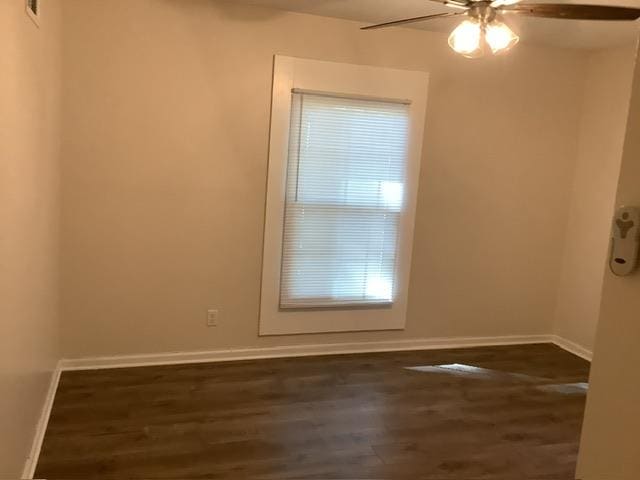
{"x": 354, "y": 81}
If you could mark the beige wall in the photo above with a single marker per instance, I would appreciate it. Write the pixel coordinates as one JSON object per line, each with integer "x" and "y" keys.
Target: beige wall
{"x": 29, "y": 212}
{"x": 165, "y": 158}
{"x": 610, "y": 447}
{"x": 602, "y": 129}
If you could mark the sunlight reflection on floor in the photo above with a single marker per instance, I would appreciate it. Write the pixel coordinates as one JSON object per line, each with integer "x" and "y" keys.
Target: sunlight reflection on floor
{"x": 463, "y": 370}
{"x": 567, "y": 388}
{"x": 470, "y": 371}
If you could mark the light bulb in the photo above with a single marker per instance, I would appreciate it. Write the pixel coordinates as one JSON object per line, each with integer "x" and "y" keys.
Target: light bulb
{"x": 466, "y": 39}
{"x": 500, "y": 37}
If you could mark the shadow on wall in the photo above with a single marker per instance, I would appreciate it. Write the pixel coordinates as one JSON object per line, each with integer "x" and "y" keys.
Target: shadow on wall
{"x": 232, "y": 10}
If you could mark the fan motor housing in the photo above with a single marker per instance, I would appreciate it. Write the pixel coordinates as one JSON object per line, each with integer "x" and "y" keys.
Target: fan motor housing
{"x": 482, "y": 11}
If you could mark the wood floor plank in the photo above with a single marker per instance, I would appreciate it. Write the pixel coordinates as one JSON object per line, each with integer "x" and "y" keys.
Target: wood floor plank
{"x": 509, "y": 412}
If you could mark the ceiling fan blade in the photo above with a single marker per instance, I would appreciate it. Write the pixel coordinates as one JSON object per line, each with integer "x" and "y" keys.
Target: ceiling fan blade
{"x": 412, "y": 20}
{"x": 502, "y": 3}
{"x": 455, "y": 3}
{"x": 572, "y": 12}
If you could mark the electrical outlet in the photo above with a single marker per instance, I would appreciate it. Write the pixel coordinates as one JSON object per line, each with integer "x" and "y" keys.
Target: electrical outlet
{"x": 212, "y": 318}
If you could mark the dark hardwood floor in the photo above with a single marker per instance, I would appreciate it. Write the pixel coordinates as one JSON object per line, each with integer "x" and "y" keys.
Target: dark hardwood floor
{"x": 510, "y": 412}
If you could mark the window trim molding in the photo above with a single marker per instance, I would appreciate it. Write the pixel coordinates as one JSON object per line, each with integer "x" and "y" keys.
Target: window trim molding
{"x": 292, "y": 74}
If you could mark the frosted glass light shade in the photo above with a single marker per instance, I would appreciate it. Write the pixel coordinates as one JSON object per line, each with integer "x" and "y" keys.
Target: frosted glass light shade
{"x": 466, "y": 39}
{"x": 500, "y": 37}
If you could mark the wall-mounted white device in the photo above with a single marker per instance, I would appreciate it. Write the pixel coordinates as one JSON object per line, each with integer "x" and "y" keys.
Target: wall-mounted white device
{"x": 625, "y": 241}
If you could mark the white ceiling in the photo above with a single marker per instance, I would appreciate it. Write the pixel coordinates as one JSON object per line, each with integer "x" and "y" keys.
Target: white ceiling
{"x": 563, "y": 33}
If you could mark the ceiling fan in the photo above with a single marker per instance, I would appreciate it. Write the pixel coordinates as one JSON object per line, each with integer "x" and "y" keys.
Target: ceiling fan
{"x": 484, "y": 30}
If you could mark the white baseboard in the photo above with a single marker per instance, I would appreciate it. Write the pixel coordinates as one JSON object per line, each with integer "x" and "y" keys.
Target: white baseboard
{"x": 32, "y": 461}
{"x": 295, "y": 351}
{"x": 572, "y": 347}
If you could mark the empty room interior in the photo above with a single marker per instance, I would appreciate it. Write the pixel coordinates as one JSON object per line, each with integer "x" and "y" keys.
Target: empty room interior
{"x": 319, "y": 239}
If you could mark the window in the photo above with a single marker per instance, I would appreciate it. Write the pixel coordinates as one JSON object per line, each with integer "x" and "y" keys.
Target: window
{"x": 344, "y": 162}
{"x": 344, "y": 198}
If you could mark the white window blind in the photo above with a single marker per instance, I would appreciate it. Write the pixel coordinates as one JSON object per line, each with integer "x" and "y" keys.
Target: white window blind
{"x": 345, "y": 194}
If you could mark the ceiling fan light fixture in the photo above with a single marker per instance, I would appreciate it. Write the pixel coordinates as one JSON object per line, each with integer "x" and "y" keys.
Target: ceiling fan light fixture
{"x": 500, "y": 37}
{"x": 466, "y": 39}
{"x": 483, "y": 32}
